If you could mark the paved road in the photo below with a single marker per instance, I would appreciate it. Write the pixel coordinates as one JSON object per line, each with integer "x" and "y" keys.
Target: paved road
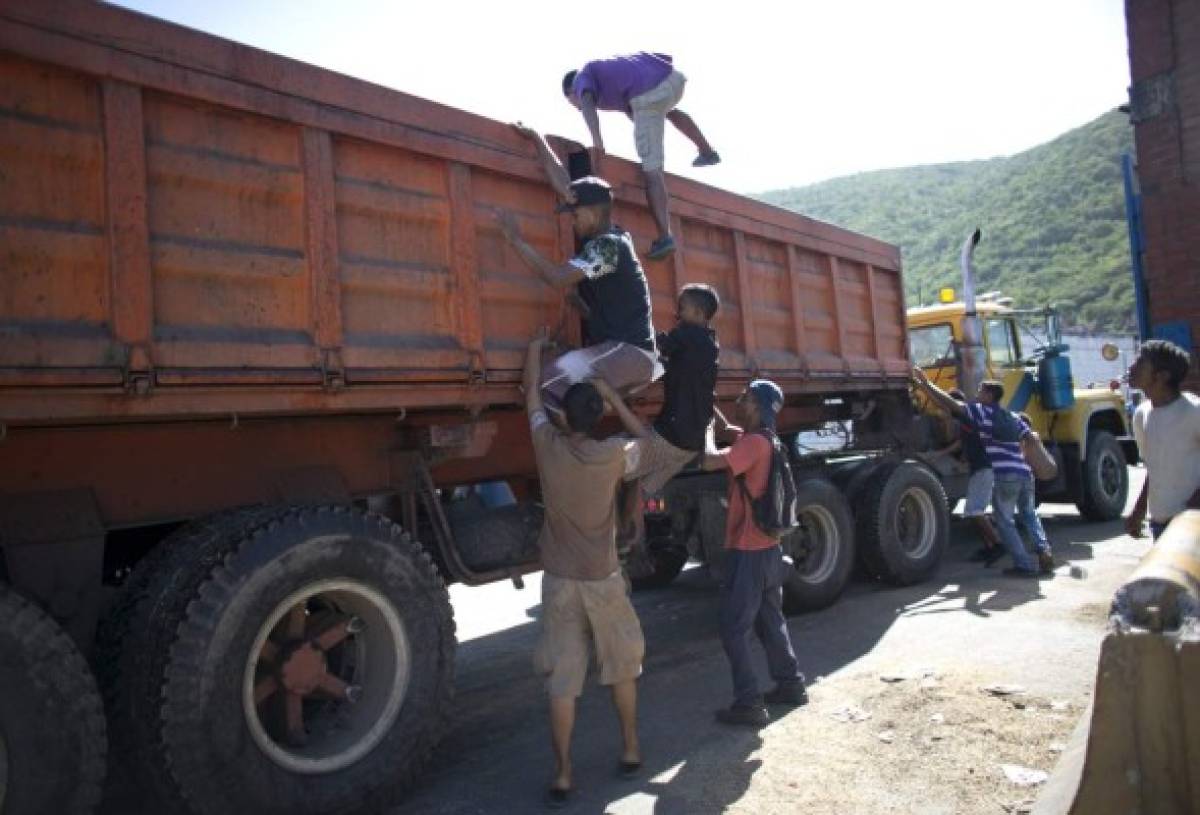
{"x": 496, "y": 758}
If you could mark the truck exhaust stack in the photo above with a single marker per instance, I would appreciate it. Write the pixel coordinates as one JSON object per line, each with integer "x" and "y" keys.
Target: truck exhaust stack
{"x": 972, "y": 361}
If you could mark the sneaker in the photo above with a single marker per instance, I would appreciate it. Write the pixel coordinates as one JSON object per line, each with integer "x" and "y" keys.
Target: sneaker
{"x": 791, "y": 694}
{"x": 744, "y": 715}
{"x": 707, "y": 159}
{"x": 1015, "y": 572}
{"x": 1046, "y": 562}
{"x": 661, "y": 248}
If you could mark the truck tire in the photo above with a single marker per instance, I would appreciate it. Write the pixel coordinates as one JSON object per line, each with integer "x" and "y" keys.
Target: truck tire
{"x": 52, "y": 737}
{"x": 312, "y": 671}
{"x": 133, "y": 645}
{"x": 665, "y": 559}
{"x": 903, "y": 523}
{"x": 711, "y": 513}
{"x": 822, "y": 551}
{"x": 1105, "y": 479}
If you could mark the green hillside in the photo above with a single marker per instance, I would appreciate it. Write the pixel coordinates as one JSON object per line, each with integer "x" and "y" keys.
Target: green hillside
{"x": 1053, "y": 221}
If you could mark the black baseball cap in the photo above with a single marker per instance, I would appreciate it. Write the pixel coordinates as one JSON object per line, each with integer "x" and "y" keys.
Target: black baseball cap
{"x": 589, "y": 191}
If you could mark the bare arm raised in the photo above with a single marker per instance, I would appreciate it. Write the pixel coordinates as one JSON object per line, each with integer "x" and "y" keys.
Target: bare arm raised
{"x": 633, "y": 425}
{"x": 942, "y": 399}
{"x": 555, "y": 172}
{"x": 559, "y": 275}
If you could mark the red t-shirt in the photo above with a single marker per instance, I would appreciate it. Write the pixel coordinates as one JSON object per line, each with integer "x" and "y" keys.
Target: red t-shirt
{"x": 750, "y": 456}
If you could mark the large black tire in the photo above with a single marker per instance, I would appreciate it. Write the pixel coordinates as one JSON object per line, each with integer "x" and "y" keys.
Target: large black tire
{"x": 822, "y": 550}
{"x": 664, "y": 559}
{"x": 1104, "y": 481}
{"x": 52, "y": 739}
{"x": 133, "y": 646}
{"x": 903, "y": 523}
{"x": 237, "y": 665}
{"x": 711, "y": 514}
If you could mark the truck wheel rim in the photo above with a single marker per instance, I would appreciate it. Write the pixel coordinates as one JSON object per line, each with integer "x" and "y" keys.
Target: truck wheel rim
{"x": 916, "y": 522}
{"x": 1110, "y": 476}
{"x": 815, "y": 559}
{"x": 326, "y": 676}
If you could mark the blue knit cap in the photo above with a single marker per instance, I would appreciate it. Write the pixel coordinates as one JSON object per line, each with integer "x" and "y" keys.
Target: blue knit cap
{"x": 769, "y": 398}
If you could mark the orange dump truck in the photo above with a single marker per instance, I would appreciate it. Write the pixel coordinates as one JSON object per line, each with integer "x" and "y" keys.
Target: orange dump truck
{"x": 260, "y": 340}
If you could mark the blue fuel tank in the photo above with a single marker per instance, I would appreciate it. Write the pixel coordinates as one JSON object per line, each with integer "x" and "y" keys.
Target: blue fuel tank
{"x": 1056, "y": 386}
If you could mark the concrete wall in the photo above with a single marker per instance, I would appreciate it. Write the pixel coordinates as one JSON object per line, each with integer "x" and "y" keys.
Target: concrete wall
{"x": 1164, "y": 58}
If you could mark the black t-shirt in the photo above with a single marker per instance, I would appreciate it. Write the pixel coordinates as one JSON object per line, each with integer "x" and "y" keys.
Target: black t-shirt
{"x": 972, "y": 446}
{"x": 689, "y": 385}
{"x": 615, "y": 290}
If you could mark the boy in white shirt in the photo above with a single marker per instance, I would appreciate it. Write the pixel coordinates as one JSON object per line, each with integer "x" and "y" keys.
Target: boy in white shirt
{"x": 1166, "y": 426}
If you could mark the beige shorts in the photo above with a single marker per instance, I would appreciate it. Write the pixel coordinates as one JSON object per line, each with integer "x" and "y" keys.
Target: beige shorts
{"x": 656, "y": 461}
{"x": 650, "y": 116}
{"x": 578, "y": 615}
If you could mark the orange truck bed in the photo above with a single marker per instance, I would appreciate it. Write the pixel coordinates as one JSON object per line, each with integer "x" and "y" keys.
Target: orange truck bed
{"x": 193, "y": 228}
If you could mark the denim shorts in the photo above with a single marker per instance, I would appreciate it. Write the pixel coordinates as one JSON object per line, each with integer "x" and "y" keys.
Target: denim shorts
{"x": 979, "y": 493}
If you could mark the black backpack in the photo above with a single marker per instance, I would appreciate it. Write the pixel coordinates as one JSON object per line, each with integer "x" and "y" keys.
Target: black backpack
{"x": 774, "y": 512}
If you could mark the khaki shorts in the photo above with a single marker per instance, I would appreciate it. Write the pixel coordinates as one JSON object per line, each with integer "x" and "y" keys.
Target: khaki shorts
{"x": 656, "y": 462}
{"x": 580, "y": 614}
{"x": 650, "y": 116}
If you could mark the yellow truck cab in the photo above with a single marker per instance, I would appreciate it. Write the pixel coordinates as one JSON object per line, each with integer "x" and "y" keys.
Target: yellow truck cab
{"x": 1086, "y": 429}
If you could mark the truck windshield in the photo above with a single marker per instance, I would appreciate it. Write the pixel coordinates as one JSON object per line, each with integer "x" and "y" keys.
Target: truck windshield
{"x": 1002, "y": 342}
{"x": 932, "y": 346}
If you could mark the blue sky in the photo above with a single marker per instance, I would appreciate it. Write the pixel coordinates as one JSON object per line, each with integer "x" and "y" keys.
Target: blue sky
{"x": 790, "y": 93}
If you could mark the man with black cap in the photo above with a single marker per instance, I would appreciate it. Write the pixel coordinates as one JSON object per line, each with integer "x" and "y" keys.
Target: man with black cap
{"x": 613, "y": 287}
{"x": 754, "y": 570}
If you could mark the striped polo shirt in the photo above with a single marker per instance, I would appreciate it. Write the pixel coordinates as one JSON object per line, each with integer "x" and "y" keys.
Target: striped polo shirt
{"x": 1005, "y": 455}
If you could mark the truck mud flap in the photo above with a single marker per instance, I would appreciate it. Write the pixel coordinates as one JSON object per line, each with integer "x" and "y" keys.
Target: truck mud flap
{"x": 1139, "y": 749}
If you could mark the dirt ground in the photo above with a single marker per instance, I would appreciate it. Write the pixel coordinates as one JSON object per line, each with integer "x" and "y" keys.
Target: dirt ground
{"x": 931, "y": 743}
{"x": 934, "y": 742}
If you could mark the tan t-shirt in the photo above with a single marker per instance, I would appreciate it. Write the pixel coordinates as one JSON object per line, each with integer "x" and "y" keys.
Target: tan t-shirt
{"x": 579, "y": 489}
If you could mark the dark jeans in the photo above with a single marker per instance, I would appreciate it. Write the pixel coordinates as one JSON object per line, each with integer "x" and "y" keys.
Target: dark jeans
{"x": 752, "y": 598}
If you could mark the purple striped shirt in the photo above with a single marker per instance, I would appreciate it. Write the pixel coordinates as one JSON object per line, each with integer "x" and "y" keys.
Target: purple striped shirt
{"x": 1005, "y": 455}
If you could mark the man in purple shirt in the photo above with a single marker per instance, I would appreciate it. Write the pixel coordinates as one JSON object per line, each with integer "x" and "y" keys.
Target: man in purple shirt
{"x": 647, "y": 88}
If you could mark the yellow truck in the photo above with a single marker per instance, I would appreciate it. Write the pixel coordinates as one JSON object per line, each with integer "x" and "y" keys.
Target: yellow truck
{"x": 1086, "y": 429}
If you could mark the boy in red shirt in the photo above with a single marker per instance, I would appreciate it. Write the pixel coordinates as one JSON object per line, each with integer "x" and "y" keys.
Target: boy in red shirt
{"x": 752, "y": 590}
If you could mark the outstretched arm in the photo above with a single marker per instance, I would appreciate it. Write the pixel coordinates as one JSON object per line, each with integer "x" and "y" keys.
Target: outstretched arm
{"x": 555, "y": 172}
{"x": 530, "y": 380}
{"x": 587, "y": 106}
{"x": 559, "y": 275}
{"x": 942, "y": 399}
{"x": 633, "y": 425}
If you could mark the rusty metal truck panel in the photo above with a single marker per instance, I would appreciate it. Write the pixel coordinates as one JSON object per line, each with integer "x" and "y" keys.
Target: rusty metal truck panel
{"x": 194, "y": 228}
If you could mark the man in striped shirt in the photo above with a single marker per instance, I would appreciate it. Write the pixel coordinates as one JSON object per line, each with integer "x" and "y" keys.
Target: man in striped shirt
{"x": 1014, "y": 488}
